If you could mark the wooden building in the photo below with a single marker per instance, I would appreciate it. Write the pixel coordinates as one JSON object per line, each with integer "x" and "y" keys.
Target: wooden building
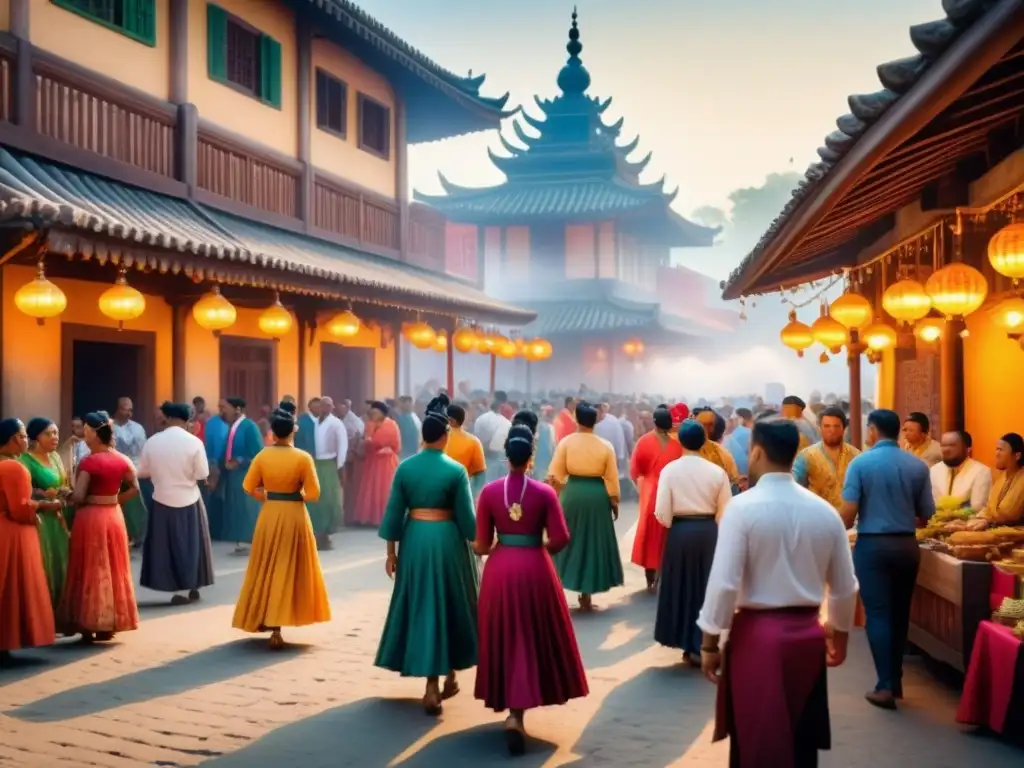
{"x": 575, "y": 236}
{"x": 258, "y": 148}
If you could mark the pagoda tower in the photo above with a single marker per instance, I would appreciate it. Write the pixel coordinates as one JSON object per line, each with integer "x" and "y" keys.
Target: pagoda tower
{"x": 573, "y": 234}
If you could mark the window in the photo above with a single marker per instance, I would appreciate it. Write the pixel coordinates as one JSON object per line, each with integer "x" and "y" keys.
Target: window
{"x": 242, "y": 57}
{"x": 374, "y": 127}
{"x": 331, "y": 104}
{"x": 134, "y": 18}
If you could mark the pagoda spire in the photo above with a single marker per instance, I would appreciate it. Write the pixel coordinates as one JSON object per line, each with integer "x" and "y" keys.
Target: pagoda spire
{"x": 574, "y": 78}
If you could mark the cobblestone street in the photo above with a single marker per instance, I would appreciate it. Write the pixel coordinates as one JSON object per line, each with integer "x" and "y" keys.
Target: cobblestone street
{"x": 188, "y": 690}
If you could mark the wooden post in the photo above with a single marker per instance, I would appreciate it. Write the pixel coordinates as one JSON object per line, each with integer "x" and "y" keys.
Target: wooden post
{"x": 306, "y": 107}
{"x": 494, "y": 370}
{"x": 302, "y": 364}
{"x": 179, "y": 352}
{"x": 450, "y": 354}
{"x": 951, "y": 377}
{"x": 24, "y": 87}
{"x": 853, "y": 361}
{"x": 179, "y": 51}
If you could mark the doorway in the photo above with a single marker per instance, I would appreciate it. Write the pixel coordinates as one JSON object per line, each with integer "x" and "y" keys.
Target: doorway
{"x": 346, "y": 373}
{"x": 247, "y": 370}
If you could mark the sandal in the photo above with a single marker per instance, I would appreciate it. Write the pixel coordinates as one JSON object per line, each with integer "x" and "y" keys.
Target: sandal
{"x": 193, "y": 596}
{"x": 276, "y": 641}
{"x": 515, "y": 736}
{"x": 432, "y": 701}
{"x": 451, "y": 688}
{"x": 586, "y": 603}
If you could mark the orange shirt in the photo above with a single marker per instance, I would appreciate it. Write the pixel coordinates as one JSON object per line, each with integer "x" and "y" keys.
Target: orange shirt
{"x": 467, "y": 450}
{"x": 565, "y": 425}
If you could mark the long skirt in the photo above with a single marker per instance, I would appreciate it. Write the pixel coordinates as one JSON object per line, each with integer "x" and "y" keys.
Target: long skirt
{"x": 326, "y": 511}
{"x": 375, "y": 487}
{"x": 685, "y": 568}
{"x": 240, "y": 509}
{"x": 591, "y": 564}
{"x": 136, "y": 518}
{"x": 177, "y": 556}
{"x": 431, "y": 624}
{"x": 98, "y": 593}
{"x": 26, "y": 615}
{"x": 773, "y": 698}
{"x": 284, "y": 586}
{"x": 649, "y": 543}
{"x": 350, "y": 491}
{"x": 528, "y": 652}
{"x": 53, "y": 545}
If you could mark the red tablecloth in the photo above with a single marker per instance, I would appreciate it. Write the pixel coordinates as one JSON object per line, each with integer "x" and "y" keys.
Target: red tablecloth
{"x": 996, "y": 662}
{"x": 1003, "y": 585}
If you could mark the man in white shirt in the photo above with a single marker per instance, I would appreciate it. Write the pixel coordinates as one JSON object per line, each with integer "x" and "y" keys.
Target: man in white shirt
{"x": 331, "y": 440}
{"x": 176, "y": 556}
{"x": 491, "y": 429}
{"x": 692, "y": 494}
{"x": 780, "y": 550}
{"x": 959, "y": 475}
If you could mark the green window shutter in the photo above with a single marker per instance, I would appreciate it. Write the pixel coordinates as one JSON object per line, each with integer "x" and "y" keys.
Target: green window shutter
{"x": 270, "y": 71}
{"x": 216, "y": 42}
{"x": 140, "y": 19}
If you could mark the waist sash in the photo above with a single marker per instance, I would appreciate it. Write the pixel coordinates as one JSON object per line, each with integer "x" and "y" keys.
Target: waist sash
{"x": 684, "y": 518}
{"x": 428, "y": 515}
{"x": 282, "y": 496}
{"x": 524, "y": 540}
{"x": 101, "y": 501}
{"x": 584, "y": 479}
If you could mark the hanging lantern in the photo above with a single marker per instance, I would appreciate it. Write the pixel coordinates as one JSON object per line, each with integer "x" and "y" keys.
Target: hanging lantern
{"x": 121, "y": 302}
{"x": 831, "y": 334}
{"x": 879, "y": 336}
{"x": 852, "y": 310}
{"x": 507, "y": 350}
{"x": 1006, "y": 251}
{"x": 422, "y": 335}
{"x": 539, "y": 349}
{"x": 344, "y": 325}
{"x": 275, "y": 321}
{"x": 906, "y": 301}
{"x": 440, "y": 342}
{"x": 929, "y": 329}
{"x": 465, "y": 339}
{"x": 40, "y": 298}
{"x": 957, "y": 290}
{"x": 213, "y": 312}
{"x": 796, "y": 335}
{"x": 1008, "y": 314}
{"x": 633, "y": 347}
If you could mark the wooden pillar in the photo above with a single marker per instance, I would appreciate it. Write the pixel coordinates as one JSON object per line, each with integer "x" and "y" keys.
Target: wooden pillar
{"x": 450, "y": 363}
{"x": 494, "y": 369}
{"x": 24, "y": 96}
{"x": 854, "y": 361}
{"x": 402, "y": 179}
{"x": 306, "y": 107}
{"x": 951, "y": 377}
{"x": 303, "y": 333}
{"x": 179, "y": 351}
{"x": 178, "y": 90}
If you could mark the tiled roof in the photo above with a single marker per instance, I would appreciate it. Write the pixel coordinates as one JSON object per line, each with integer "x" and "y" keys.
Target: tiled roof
{"x": 71, "y": 199}
{"x": 603, "y": 316}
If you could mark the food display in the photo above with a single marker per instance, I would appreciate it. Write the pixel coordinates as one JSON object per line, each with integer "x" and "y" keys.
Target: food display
{"x": 1014, "y": 563}
{"x": 1018, "y": 631}
{"x": 1010, "y": 613}
{"x": 956, "y": 530}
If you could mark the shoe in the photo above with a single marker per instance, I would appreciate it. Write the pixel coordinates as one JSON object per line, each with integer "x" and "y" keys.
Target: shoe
{"x": 881, "y": 699}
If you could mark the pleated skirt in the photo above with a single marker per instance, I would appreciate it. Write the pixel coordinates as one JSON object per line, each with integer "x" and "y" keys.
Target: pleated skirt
{"x": 54, "y": 544}
{"x": 26, "y": 614}
{"x": 326, "y": 512}
{"x": 177, "y": 556}
{"x": 591, "y": 563}
{"x": 685, "y": 568}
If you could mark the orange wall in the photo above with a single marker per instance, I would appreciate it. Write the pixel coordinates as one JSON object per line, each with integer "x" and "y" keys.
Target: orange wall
{"x": 384, "y": 361}
{"x": 517, "y": 253}
{"x": 107, "y": 51}
{"x": 5, "y": 14}
{"x": 580, "y": 251}
{"x": 606, "y": 249}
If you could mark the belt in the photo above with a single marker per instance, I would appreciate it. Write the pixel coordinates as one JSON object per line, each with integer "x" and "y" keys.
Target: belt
{"x": 789, "y": 609}
{"x": 101, "y": 501}
{"x": 900, "y": 535}
{"x": 283, "y": 496}
{"x": 682, "y": 518}
{"x": 524, "y": 540}
{"x": 429, "y": 515}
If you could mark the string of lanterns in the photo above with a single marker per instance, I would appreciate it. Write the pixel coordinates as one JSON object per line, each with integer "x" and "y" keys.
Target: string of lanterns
{"x": 472, "y": 338}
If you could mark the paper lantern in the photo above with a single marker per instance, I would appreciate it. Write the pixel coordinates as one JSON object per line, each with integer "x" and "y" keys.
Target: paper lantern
{"x": 275, "y": 321}
{"x": 440, "y": 342}
{"x": 929, "y": 329}
{"x": 852, "y": 310}
{"x": 507, "y": 350}
{"x": 213, "y": 312}
{"x": 633, "y": 347}
{"x": 957, "y": 290}
{"x": 421, "y": 335}
{"x": 121, "y": 302}
{"x": 344, "y": 325}
{"x": 906, "y": 301}
{"x": 1008, "y": 314}
{"x": 879, "y": 336}
{"x": 40, "y": 298}
{"x": 465, "y": 339}
{"x": 538, "y": 349}
{"x": 1006, "y": 251}
{"x": 796, "y": 335}
{"x": 831, "y": 334}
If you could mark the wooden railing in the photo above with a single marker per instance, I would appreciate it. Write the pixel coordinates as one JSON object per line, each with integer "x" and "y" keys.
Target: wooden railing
{"x": 426, "y": 237}
{"x": 354, "y": 214}
{"x": 229, "y": 169}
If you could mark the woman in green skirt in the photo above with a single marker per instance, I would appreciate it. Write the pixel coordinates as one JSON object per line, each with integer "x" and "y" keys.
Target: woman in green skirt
{"x": 431, "y": 625}
{"x": 49, "y": 482}
{"x": 585, "y": 470}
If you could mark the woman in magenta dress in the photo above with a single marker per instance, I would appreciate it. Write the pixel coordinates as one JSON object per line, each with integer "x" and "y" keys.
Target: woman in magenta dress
{"x": 99, "y": 598}
{"x": 528, "y": 654}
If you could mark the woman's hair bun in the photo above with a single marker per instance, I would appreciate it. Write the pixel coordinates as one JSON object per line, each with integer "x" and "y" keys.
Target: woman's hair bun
{"x": 519, "y": 445}
{"x": 282, "y": 423}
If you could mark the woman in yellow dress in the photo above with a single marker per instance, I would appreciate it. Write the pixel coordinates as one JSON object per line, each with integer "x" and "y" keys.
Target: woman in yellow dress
{"x": 283, "y": 586}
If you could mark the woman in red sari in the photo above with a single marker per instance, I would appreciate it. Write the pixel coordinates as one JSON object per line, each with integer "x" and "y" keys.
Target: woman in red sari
{"x": 99, "y": 598}
{"x": 380, "y": 460}
{"x": 653, "y": 452}
{"x": 26, "y": 611}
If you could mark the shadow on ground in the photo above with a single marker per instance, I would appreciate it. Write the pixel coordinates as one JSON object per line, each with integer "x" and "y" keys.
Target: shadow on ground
{"x": 34, "y": 661}
{"x": 477, "y": 746}
{"x": 214, "y": 665}
{"x": 633, "y": 613}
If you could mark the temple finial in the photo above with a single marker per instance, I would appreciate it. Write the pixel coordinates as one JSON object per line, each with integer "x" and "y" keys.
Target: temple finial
{"x": 574, "y": 46}
{"x": 574, "y": 78}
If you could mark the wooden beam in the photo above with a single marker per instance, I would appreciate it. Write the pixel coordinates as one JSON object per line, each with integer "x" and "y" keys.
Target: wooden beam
{"x": 953, "y": 145}
{"x": 402, "y": 176}
{"x": 178, "y": 90}
{"x": 854, "y": 363}
{"x": 305, "y": 107}
{"x": 24, "y": 96}
{"x": 303, "y": 333}
{"x": 179, "y": 350}
{"x": 970, "y": 127}
{"x": 951, "y": 377}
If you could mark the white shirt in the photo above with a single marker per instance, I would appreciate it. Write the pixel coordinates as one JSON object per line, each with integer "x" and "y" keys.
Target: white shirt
{"x": 610, "y": 428}
{"x": 129, "y": 439}
{"x": 497, "y": 444}
{"x": 972, "y": 482}
{"x": 354, "y": 426}
{"x": 175, "y": 460}
{"x": 779, "y": 546}
{"x": 691, "y": 485}
{"x": 485, "y": 427}
{"x": 331, "y": 439}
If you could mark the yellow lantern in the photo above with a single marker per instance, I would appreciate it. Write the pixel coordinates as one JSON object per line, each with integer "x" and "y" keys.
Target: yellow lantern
{"x": 796, "y": 335}
{"x": 507, "y": 350}
{"x": 539, "y": 349}
{"x": 957, "y": 290}
{"x": 422, "y": 335}
{"x": 1008, "y": 314}
{"x": 633, "y": 347}
{"x": 40, "y": 298}
{"x": 465, "y": 339}
{"x": 344, "y": 325}
{"x": 929, "y": 329}
{"x": 879, "y": 336}
{"x": 906, "y": 301}
{"x": 213, "y": 312}
{"x": 275, "y": 321}
{"x": 852, "y": 310}
{"x": 121, "y": 302}
{"x": 1006, "y": 251}
{"x": 440, "y": 342}
{"x": 831, "y": 334}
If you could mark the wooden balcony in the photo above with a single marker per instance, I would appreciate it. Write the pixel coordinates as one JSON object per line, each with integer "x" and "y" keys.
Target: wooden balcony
{"x": 426, "y": 237}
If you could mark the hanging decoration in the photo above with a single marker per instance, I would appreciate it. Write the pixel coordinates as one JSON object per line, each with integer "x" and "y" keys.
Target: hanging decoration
{"x": 957, "y": 290}
{"x": 852, "y": 310}
{"x": 507, "y": 350}
{"x": 1006, "y": 251}
{"x": 1008, "y": 314}
{"x": 537, "y": 349}
{"x": 121, "y": 302}
{"x": 929, "y": 329}
{"x": 213, "y": 312}
{"x": 830, "y": 333}
{"x": 275, "y": 321}
{"x": 906, "y": 301}
{"x": 465, "y": 339}
{"x": 633, "y": 347}
{"x": 421, "y": 335}
{"x": 40, "y": 298}
{"x": 796, "y": 335}
{"x": 440, "y": 342}
{"x": 344, "y": 325}
{"x": 878, "y": 336}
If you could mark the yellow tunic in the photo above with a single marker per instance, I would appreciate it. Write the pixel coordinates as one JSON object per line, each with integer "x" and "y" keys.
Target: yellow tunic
{"x": 1006, "y": 502}
{"x": 467, "y": 450}
{"x": 815, "y": 469}
{"x": 584, "y": 454}
{"x": 720, "y": 456}
{"x": 930, "y": 452}
{"x": 283, "y": 586}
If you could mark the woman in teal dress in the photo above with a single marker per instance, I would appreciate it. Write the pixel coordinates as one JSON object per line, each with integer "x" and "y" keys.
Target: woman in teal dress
{"x": 431, "y": 625}
{"x": 241, "y": 510}
{"x": 50, "y": 482}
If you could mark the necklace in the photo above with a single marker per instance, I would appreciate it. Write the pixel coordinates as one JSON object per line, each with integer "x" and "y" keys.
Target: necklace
{"x": 515, "y": 511}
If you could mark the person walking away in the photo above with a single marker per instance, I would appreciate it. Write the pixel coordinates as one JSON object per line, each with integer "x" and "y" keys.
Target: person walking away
{"x": 177, "y": 555}
{"x": 465, "y": 448}
{"x": 691, "y": 497}
{"x": 738, "y": 442}
{"x": 26, "y": 611}
{"x": 586, "y": 473}
{"x": 917, "y": 439}
{"x": 491, "y": 428}
{"x": 129, "y": 437}
{"x": 713, "y": 451}
{"x": 408, "y": 426}
{"x": 430, "y": 629}
{"x": 611, "y": 429}
{"x": 381, "y": 449}
{"x": 958, "y": 476}
{"x": 99, "y": 596}
{"x": 654, "y": 451}
{"x": 885, "y": 493}
{"x": 354, "y": 429}
{"x": 331, "y": 453}
{"x": 305, "y": 430}
{"x": 545, "y": 443}
{"x": 215, "y": 438}
{"x": 780, "y": 550}
{"x": 244, "y": 441}
{"x": 565, "y": 421}
{"x": 528, "y": 652}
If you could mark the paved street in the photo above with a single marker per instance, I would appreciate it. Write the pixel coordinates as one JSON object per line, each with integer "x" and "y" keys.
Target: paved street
{"x": 187, "y": 690}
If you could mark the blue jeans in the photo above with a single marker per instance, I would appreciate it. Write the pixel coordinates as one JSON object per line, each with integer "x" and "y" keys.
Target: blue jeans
{"x": 886, "y": 568}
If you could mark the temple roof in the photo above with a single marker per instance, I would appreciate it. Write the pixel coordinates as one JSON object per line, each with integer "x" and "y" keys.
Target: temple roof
{"x": 590, "y": 317}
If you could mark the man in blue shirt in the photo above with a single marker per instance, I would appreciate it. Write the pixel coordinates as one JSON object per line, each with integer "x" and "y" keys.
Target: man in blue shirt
{"x": 738, "y": 443}
{"x": 886, "y": 492}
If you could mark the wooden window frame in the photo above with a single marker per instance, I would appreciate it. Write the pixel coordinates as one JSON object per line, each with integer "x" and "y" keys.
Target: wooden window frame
{"x": 319, "y": 72}
{"x": 71, "y": 7}
{"x": 361, "y": 101}
{"x": 256, "y": 93}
